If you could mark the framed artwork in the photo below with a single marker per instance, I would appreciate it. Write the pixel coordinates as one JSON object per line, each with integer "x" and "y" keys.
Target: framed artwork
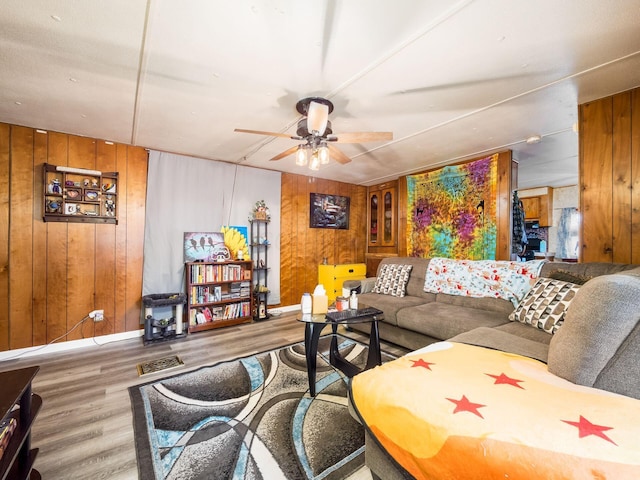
{"x": 205, "y": 247}
{"x": 328, "y": 211}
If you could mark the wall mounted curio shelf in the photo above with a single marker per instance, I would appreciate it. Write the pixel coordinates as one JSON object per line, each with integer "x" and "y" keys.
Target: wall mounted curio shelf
{"x": 79, "y": 195}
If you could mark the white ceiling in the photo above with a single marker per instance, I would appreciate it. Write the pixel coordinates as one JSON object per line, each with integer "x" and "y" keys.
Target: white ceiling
{"x": 451, "y": 80}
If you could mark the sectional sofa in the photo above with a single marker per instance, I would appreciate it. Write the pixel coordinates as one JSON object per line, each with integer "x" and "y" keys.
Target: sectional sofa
{"x": 420, "y": 318}
{"x": 485, "y": 395}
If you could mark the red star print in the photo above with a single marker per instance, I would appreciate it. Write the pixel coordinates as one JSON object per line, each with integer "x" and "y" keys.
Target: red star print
{"x": 464, "y": 405}
{"x": 503, "y": 379}
{"x": 586, "y": 428}
{"x": 422, "y": 363}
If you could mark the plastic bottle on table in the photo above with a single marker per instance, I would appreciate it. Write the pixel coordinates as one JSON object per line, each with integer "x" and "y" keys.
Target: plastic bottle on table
{"x": 305, "y": 303}
{"x": 353, "y": 301}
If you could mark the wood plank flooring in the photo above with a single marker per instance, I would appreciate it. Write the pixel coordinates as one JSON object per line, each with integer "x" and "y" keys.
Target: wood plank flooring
{"x": 84, "y": 430}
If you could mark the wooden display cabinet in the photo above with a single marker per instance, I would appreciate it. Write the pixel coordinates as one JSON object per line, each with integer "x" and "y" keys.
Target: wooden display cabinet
{"x": 218, "y": 294}
{"x": 382, "y": 215}
{"x": 79, "y": 195}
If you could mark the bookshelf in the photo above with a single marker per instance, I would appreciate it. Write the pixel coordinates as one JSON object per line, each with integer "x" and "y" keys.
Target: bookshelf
{"x": 218, "y": 294}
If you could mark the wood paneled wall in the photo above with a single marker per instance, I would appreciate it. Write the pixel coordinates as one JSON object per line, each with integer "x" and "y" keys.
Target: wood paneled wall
{"x": 610, "y": 178}
{"x": 302, "y": 248}
{"x": 53, "y": 274}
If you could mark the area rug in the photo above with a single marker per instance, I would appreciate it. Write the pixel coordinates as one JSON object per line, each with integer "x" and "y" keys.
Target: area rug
{"x": 250, "y": 418}
{"x": 158, "y": 365}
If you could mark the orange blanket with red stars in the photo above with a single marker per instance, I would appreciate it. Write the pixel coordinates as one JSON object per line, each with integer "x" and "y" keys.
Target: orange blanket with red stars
{"x": 455, "y": 411}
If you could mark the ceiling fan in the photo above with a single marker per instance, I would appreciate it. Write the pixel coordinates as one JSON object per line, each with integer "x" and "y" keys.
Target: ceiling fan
{"x": 315, "y": 129}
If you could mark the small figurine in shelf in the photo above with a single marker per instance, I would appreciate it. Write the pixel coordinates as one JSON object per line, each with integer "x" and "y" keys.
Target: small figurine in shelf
{"x": 110, "y": 206}
{"x": 109, "y": 187}
{"x": 260, "y": 211}
{"x": 54, "y": 206}
{"x": 54, "y": 186}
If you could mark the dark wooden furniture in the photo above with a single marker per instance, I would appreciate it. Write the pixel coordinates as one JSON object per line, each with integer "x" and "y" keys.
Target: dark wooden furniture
{"x": 314, "y": 324}
{"x": 218, "y": 294}
{"x": 79, "y": 195}
{"x": 259, "y": 243}
{"x": 17, "y": 461}
{"x": 382, "y": 215}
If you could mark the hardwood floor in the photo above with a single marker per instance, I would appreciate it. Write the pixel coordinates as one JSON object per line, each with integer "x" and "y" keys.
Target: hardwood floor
{"x": 84, "y": 429}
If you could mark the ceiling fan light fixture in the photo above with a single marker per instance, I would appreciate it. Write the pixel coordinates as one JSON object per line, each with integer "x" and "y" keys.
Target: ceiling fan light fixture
{"x": 317, "y": 118}
{"x": 314, "y": 163}
{"x": 302, "y": 155}
{"x": 323, "y": 153}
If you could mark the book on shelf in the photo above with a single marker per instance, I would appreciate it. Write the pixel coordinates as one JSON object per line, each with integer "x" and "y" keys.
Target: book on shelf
{"x": 7, "y": 427}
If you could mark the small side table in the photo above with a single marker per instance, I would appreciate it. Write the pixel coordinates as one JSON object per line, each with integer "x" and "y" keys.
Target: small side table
{"x": 314, "y": 324}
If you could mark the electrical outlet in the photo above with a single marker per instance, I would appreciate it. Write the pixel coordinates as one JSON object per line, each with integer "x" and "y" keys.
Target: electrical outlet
{"x": 97, "y": 315}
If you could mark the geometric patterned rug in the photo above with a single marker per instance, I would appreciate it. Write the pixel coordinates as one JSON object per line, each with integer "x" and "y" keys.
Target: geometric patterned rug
{"x": 250, "y": 418}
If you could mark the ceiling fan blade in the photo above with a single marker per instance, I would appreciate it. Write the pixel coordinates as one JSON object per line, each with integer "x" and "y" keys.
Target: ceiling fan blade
{"x": 259, "y": 132}
{"x": 286, "y": 153}
{"x": 338, "y": 155}
{"x": 362, "y": 137}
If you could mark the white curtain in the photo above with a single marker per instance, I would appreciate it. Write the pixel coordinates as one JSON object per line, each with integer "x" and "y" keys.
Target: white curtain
{"x": 568, "y": 233}
{"x": 186, "y": 194}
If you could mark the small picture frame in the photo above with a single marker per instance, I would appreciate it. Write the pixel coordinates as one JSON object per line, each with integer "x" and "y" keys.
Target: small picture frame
{"x": 74, "y": 193}
{"x": 71, "y": 208}
{"x": 91, "y": 195}
{"x": 328, "y": 211}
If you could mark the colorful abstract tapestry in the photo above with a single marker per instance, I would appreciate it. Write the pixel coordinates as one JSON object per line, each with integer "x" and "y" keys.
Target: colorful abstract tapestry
{"x": 452, "y": 211}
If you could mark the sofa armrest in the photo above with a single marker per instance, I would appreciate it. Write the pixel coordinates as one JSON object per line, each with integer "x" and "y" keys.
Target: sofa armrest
{"x": 365, "y": 285}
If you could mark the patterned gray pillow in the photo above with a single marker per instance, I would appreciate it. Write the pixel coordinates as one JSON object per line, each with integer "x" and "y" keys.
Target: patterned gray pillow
{"x": 545, "y": 305}
{"x": 392, "y": 279}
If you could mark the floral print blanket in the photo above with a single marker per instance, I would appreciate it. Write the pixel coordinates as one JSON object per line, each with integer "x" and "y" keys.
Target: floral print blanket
{"x": 482, "y": 278}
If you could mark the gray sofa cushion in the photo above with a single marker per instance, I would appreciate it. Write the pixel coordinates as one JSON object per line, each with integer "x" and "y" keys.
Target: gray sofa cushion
{"x": 389, "y": 304}
{"x": 415, "y": 286}
{"x": 507, "y": 342}
{"x": 497, "y": 305}
{"x": 444, "y": 320}
{"x": 588, "y": 270}
{"x": 526, "y": 331}
{"x": 622, "y": 372}
{"x": 599, "y": 341}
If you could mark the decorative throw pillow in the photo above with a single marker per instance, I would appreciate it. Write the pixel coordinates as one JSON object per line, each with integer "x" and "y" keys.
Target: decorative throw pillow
{"x": 545, "y": 305}
{"x": 392, "y": 279}
{"x": 567, "y": 276}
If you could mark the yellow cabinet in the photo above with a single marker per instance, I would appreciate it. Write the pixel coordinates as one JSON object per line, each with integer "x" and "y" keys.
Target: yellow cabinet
{"x": 382, "y": 218}
{"x": 333, "y": 276}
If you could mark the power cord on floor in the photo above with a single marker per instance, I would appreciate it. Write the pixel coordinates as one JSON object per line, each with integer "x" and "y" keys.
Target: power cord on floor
{"x": 51, "y": 342}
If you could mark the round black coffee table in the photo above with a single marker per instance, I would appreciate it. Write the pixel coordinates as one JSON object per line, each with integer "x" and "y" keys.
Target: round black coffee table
{"x": 314, "y": 324}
